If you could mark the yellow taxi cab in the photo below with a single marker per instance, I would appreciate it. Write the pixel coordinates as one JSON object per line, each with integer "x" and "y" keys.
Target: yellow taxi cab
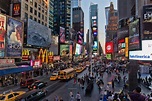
{"x": 54, "y": 76}
{"x": 10, "y": 95}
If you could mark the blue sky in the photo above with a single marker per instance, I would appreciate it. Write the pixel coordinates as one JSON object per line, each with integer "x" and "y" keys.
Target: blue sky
{"x": 101, "y": 16}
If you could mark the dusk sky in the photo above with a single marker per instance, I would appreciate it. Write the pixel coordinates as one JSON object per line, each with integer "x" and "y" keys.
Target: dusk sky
{"x": 85, "y": 4}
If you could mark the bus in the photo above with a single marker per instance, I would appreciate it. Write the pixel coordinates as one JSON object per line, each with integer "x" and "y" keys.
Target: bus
{"x": 66, "y": 74}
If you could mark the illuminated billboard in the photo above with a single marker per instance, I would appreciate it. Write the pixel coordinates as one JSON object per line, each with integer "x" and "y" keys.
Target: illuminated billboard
{"x": 78, "y": 49}
{"x": 38, "y": 35}
{"x": 134, "y": 34}
{"x": 142, "y": 54}
{"x": 2, "y": 34}
{"x": 64, "y": 50}
{"x": 95, "y": 46}
{"x": 62, "y": 35}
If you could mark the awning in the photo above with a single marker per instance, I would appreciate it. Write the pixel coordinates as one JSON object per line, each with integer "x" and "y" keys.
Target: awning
{"x": 15, "y": 70}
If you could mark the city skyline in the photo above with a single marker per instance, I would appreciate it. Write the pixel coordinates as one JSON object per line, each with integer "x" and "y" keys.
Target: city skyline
{"x": 101, "y": 17}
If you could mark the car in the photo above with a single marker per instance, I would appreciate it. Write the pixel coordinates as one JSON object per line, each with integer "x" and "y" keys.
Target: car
{"x": 54, "y": 76}
{"x": 33, "y": 95}
{"x": 26, "y": 83}
{"x": 37, "y": 85}
{"x": 10, "y": 95}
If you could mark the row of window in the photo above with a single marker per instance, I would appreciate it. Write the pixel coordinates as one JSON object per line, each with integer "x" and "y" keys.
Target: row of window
{"x": 39, "y": 2}
{"x": 35, "y": 19}
{"x": 36, "y": 13}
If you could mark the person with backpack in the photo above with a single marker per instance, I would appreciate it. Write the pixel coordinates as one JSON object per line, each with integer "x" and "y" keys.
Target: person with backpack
{"x": 78, "y": 96}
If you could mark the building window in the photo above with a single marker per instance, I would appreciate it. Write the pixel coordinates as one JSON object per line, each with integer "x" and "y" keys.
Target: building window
{"x": 26, "y": 0}
{"x": 26, "y": 15}
{"x": 31, "y": 9}
{"x": 43, "y": 10}
{"x": 45, "y": 24}
{"x": 35, "y": 12}
{"x": 39, "y": 15}
{"x": 38, "y": 21}
{"x": 43, "y": 3}
{"x": 39, "y": 7}
{"x": 42, "y": 23}
{"x": 35, "y": 5}
{"x": 35, "y": 19}
{"x": 45, "y": 18}
{"x": 46, "y": 12}
{"x": 31, "y": 17}
{"x": 42, "y": 16}
{"x": 26, "y": 7}
{"x": 31, "y": 2}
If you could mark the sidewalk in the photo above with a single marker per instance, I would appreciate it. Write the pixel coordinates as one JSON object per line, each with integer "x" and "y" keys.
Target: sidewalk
{"x": 16, "y": 87}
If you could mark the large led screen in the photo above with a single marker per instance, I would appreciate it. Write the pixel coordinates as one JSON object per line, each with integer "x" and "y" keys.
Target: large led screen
{"x": 95, "y": 46}
{"x": 62, "y": 35}
{"x": 64, "y": 50}
{"x": 2, "y": 34}
{"x": 78, "y": 49}
{"x": 14, "y": 38}
{"x": 144, "y": 54}
{"x": 38, "y": 35}
{"x": 134, "y": 35}
{"x": 147, "y": 22}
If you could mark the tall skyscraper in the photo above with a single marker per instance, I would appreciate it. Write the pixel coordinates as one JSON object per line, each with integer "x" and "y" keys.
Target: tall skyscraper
{"x": 94, "y": 26}
{"x": 51, "y": 7}
{"x": 78, "y": 23}
{"x": 107, "y": 9}
{"x": 62, "y": 11}
{"x": 75, "y": 3}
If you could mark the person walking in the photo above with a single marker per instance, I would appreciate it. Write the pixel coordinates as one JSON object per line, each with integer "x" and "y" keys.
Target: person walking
{"x": 78, "y": 97}
{"x": 72, "y": 98}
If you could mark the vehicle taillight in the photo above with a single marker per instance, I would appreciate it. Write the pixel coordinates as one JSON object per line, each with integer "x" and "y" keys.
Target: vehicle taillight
{"x": 34, "y": 87}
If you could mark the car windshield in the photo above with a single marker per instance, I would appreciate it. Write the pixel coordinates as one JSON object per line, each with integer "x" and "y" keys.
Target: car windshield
{"x": 54, "y": 74}
{"x": 35, "y": 83}
{"x": 2, "y": 97}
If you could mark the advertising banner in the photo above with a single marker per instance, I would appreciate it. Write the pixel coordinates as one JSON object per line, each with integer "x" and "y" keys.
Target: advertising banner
{"x": 80, "y": 37}
{"x": 142, "y": 54}
{"x": 38, "y": 35}
{"x": 147, "y": 22}
{"x": 95, "y": 45}
{"x": 134, "y": 35}
{"x": 2, "y": 34}
{"x": 16, "y": 11}
{"x": 78, "y": 49}
{"x": 108, "y": 56}
{"x": 64, "y": 50}
{"x": 7, "y": 62}
{"x": 62, "y": 35}
{"x": 109, "y": 47}
{"x": 126, "y": 48}
{"x": 14, "y": 38}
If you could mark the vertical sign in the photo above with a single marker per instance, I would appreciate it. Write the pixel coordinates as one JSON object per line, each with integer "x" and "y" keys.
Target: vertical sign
{"x": 16, "y": 11}
{"x": 147, "y": 22}
{"x": 62, "y": 35}
{"x": 126, "y": 48}
{"x": 14, "y": 38}
{"x": 2, "y": 34}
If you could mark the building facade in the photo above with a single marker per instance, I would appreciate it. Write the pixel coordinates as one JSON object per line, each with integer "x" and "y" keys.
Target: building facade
{"x": 5, "y": 6}
{"x": 94, "y": 26}
{"x": 62, "y": 12}
{"x": 78, "y": 22}
{"x": 51, "y": 7}
{"x": 75, "y": 3}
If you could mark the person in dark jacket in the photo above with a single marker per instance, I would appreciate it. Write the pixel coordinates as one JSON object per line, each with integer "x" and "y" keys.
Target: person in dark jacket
{"x": 136, "y": 95}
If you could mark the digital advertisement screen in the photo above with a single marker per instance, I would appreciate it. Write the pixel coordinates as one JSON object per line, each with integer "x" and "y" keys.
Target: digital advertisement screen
{"x": 14, "y": 38}
{"x": 95, "y": 45}
{"x": 80, "y": 37}
{"x": 142, "y": 54}
{"x": 38, "y": 35}
{"x": 2, "y": 34}
{"x": 109, "y": 47}
{"x": 64, "y": 50}
{"x": 147, "y": 22}
{"x": 134, "y": 35}
{"x": 78, "y": 49}
{"x": 62, "y": 35}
